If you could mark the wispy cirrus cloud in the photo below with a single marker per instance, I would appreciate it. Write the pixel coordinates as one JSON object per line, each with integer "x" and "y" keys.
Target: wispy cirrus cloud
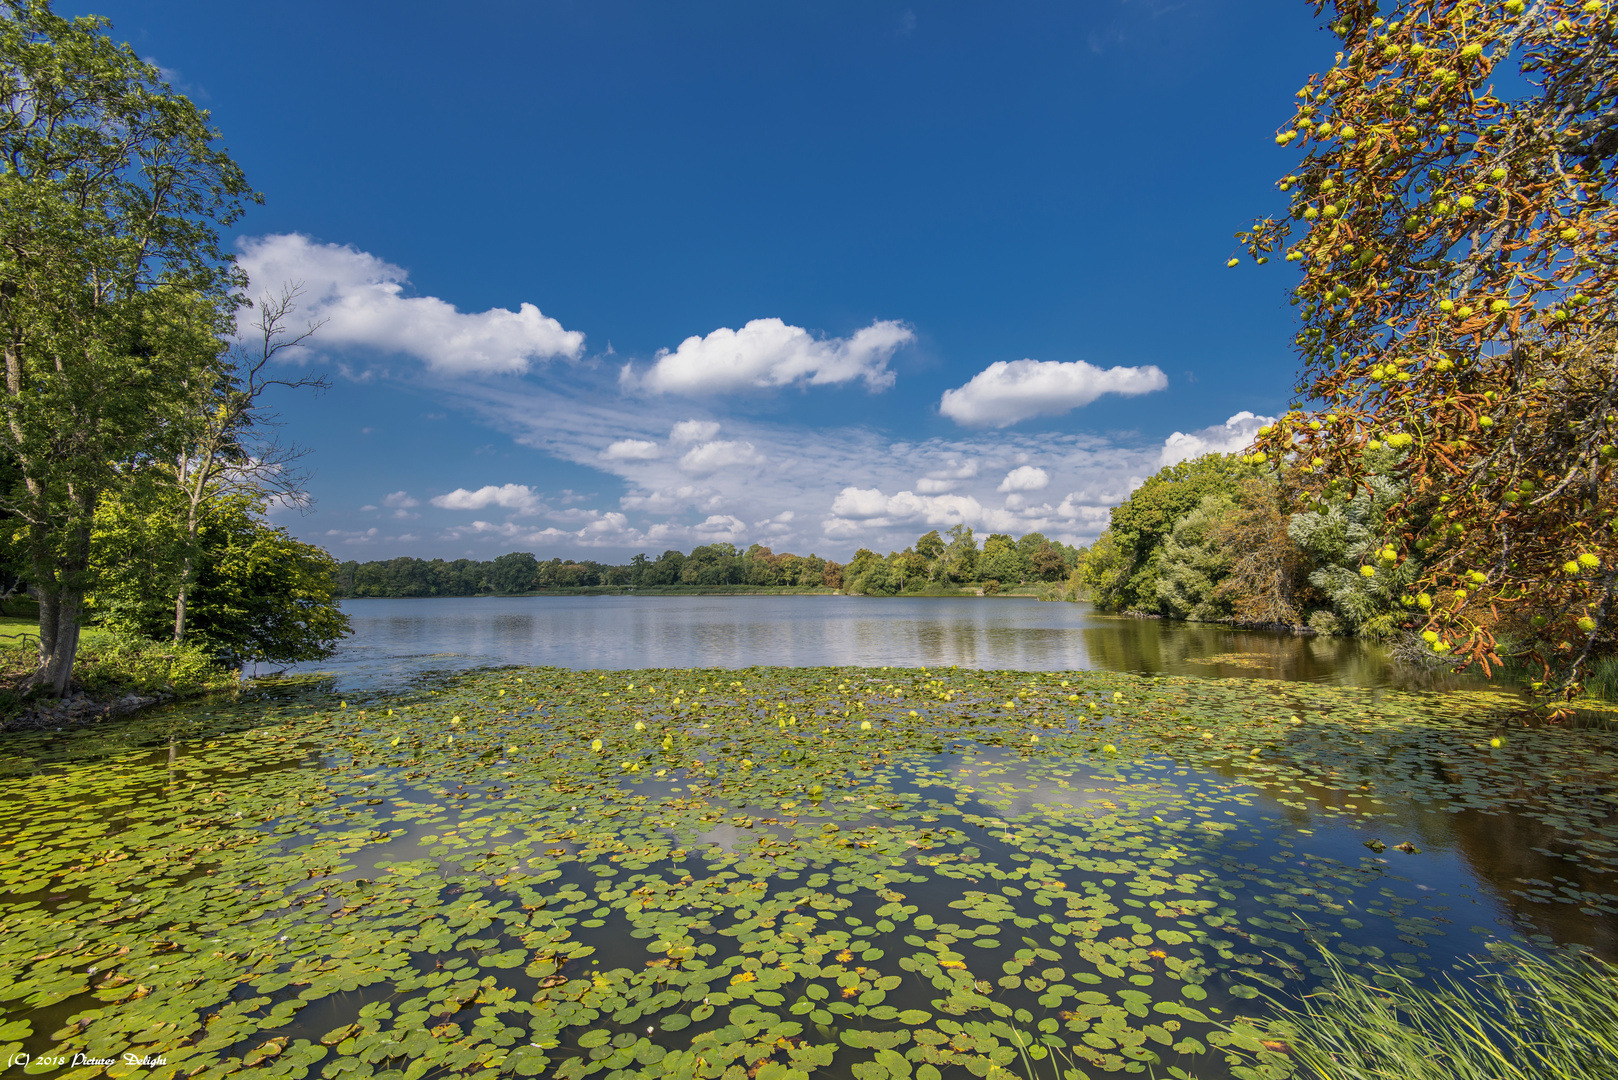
{"x": 802, "y": 489}
{"x": 631, "y": 450}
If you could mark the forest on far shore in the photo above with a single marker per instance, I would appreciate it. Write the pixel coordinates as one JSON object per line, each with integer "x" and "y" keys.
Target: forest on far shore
{"x": 934, "y": 560}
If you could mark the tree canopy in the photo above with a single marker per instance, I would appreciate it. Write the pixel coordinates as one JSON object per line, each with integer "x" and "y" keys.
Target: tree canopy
{"x": 258, "y": 594}
{"x": 113, "y": 284}
{"x": 1452, "y": 217}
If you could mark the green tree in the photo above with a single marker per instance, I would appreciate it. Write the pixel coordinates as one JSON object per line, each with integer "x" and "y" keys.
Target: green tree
{"x": 882, "y": 579}
{"x": 219, "y": 446}
{"x": 1344, "y": 539}
{"x": 1049, "y": 562}
{"x": 1029, "y": 545}
{"x": 1194, "y": 562}
{"x": 259, "y": 594}
{"x": 713, "y": 564}
{"x": 859, "y": 568}
{"x": 1001, "y": 561}
{"x": 666, "y": 570}
{"x": 513, "y": 573}
{"x": 1142, "y": 522}
{"x": 912, "y": 566}
{"x": 960, "y": 557}
{"x": 1103, "y": 570}
{"x": 111, "y": 275}
{"x": 930, "y": 546}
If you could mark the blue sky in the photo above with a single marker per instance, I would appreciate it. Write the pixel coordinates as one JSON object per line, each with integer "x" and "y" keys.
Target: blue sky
{"x": 601, "y": 278}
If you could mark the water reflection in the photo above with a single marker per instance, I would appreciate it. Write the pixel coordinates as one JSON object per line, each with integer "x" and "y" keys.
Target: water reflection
{"x": 399, "y": 638}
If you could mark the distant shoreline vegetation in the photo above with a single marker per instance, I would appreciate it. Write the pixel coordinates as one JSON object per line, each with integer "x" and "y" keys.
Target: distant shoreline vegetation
{"x": 950, "y": 564}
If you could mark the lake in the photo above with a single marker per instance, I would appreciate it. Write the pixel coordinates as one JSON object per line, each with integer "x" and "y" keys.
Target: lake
{"x": 394, "y": 639}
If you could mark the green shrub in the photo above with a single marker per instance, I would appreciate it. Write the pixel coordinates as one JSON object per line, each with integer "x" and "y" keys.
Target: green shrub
{"x": 1322, "y": 621}
{"x": 126, "y": 662}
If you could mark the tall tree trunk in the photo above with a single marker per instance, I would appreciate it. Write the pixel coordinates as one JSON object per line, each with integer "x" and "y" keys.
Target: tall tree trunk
{"x": 48, "y": 621}
{"x": 179, "y": 600}
{"x": 66, "y": 599}
{"x": 187, "y": 569}
{"x": 59, "y": 665}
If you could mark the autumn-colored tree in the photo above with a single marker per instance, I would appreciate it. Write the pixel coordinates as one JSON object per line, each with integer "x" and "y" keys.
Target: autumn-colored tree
{"x": 1048, "y": 563}
{"x": 1267, "y": 579}
{"x": 1453, "y": 219}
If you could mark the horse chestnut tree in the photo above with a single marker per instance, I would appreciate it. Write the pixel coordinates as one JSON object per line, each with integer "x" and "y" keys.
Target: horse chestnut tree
{"x": 1452, "y": 217}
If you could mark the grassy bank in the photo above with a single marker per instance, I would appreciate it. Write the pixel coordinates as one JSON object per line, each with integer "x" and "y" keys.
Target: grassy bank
{"x": 22, "y": 632}
{"x": 766, "y": 872}
{"x": 109, "y": 667}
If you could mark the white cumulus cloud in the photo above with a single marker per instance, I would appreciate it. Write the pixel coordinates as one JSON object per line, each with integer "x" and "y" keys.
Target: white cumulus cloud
{"x": 631, "y": 450}
{"x": 360, "y": 300}
{"x": 767, "y": 353}
{"x": 711, "y": 457}
{"x": 518, "y": 497}
{"x": 399, "y": 500}
{"x": 1234, "y": 434}
{"x": 1025, "y": 478}
{"x": 720, "y": 527}
{"x": 853, "y": 502}
{"x": 693, "y": 431}
{"x": 857, "y": 509}
{"x": 1004, "y": 393}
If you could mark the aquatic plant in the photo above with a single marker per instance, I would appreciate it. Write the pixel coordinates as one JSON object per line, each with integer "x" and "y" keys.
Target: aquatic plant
{"x": 1537, "y": 1018}
{"x": 686, "y": 873}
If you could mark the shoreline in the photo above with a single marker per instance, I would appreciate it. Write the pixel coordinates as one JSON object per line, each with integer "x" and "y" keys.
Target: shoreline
{"x": 961, "y": 592}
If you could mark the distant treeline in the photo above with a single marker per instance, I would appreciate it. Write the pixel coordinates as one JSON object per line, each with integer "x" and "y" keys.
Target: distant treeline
{"x": 932, "y": 560}
{"x": 520, "y": 572}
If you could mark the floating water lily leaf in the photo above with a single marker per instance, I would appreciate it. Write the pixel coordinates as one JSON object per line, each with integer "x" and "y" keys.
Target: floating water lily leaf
{"x": 271, "y": 877}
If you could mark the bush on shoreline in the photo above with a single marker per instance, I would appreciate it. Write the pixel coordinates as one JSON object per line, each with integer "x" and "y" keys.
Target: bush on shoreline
{"x": 111, "y": 666}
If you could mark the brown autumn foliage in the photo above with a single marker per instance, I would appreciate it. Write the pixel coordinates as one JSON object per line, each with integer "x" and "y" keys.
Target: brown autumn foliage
{"x": 1454, "y": 222}
{"x": 1268, "y": 579}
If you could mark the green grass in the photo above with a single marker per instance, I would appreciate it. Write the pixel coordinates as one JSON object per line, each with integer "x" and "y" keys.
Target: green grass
{"x": 727, "y": 590}
{"x": 1535, "y": 1018}
{"x": 934, "y": 589}
{"x": 22, "y": 632}
{"x": 1602, "y": 681}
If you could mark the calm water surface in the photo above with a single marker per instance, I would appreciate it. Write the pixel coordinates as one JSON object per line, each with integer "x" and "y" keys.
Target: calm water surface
{"x": 394, "y": 638}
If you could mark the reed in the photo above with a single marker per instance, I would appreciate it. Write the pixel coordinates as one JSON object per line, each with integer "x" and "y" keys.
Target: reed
{"x": 1531, "y": 1018}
